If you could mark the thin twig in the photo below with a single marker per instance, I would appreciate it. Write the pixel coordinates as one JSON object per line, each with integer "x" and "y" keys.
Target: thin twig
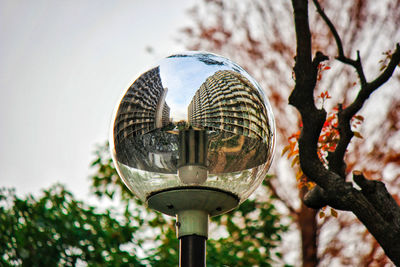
{"x": 331, "y": 27}
{"x": 341, "y": 56}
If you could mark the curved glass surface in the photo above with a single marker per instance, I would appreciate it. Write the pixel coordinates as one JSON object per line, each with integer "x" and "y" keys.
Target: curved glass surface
{"x": 195, "y": 119}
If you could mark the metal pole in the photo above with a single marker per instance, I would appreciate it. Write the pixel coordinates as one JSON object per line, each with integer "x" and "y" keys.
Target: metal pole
{"x": 192, "y": 230}
{"x": 192, "y": 251}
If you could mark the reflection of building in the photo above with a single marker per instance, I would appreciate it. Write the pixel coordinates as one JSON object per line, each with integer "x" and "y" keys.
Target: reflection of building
{"x": 143, "y": 107}
{"x": 228, "y": 101}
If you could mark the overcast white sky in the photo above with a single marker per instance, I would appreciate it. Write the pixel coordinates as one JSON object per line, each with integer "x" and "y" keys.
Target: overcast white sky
{"x": 64, "y": 65}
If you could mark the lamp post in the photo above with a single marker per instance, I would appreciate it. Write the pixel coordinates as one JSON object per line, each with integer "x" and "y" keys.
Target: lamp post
{"x": 193, "y": 137}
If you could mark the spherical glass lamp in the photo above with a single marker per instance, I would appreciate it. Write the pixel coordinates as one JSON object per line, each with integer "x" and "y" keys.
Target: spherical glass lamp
{"x": 194, "y": 133}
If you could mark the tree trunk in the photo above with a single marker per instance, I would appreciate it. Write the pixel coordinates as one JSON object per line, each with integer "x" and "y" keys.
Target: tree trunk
{"x": 308, "y": 228}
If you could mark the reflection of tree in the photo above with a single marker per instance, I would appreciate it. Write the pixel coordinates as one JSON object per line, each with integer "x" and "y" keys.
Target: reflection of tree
{"x": 205, "y": 58}
{"x": 228, "y": 152}
{"x": 156, "y": 151}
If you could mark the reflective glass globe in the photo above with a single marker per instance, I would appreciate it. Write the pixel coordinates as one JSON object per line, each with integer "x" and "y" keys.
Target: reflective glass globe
{"x": 197, "y": 121}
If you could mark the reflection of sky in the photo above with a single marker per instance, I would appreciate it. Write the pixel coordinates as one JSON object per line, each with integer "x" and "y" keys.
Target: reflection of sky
{"x": 184, "y": 74}
{"x": 183, "y": 77}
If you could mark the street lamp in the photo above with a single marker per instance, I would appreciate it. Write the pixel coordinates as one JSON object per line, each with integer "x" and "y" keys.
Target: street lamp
{"x": 193, "y": 137}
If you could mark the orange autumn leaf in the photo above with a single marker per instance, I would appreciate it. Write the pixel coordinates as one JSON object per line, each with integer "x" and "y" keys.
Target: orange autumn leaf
{"x": 358, "y": 135}
{"x": 334, "y": 213}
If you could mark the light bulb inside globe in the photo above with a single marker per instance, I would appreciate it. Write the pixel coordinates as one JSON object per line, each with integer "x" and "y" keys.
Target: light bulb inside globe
{"x": 192, "y": 174}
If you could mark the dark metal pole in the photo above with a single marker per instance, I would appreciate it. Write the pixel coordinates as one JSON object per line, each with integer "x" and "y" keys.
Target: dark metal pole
{"x": 192, "y": 251}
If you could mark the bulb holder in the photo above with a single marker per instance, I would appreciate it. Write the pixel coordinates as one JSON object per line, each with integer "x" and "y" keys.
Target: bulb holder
{"x": 175, "y": 200}
{"x": 192, "y": 222}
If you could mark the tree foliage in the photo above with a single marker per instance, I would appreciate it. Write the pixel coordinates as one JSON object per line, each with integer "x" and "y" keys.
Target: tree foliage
{"x": 57, "y": 230}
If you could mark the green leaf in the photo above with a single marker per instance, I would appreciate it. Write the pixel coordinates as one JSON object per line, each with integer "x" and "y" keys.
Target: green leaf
{"x": 321, "y": 214}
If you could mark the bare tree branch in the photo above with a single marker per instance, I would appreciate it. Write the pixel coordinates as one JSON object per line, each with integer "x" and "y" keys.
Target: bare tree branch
{"x": 303, "y": 99}
{"x": 391, "y": 212}
{"x": 315, "y": 198}
{"x": 336, "y": 159}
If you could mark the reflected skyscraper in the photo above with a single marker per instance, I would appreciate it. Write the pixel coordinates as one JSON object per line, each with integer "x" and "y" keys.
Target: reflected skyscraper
{"x": 143, "y": 107}
{"x": 229, "y": 106}
{"x": 143, "y": 110}
{"x": 227, "y": 101}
